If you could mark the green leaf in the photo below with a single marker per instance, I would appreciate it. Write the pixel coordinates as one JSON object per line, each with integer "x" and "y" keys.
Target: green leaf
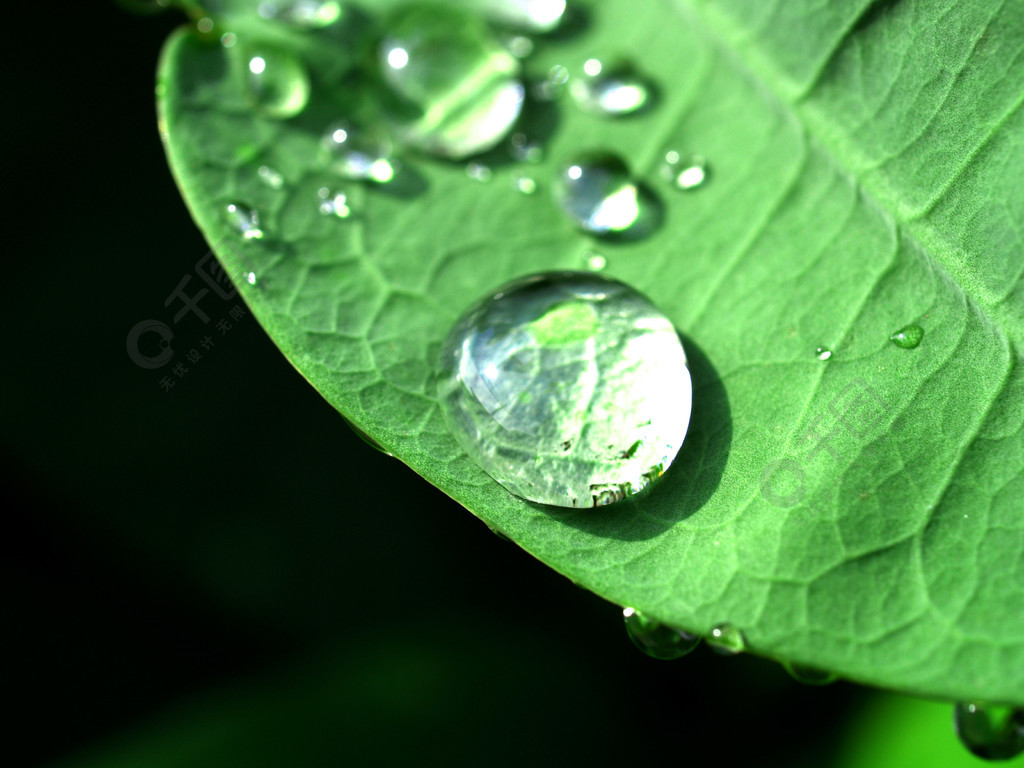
{"x": 861, "y": 514}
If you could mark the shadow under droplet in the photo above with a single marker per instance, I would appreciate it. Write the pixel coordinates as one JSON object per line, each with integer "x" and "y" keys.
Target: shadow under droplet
{"x": 688, "y": 483}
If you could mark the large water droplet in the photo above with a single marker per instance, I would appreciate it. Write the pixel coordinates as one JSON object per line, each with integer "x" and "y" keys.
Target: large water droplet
{"x": 990, "y": 732}
{"x": 304, "y": 14}
{"x": 568, "y": 388}
{"x": 609, "y": 90}
{"x": 908, "y": 337}
{"x": 531, "y": 15}
{"x": 278, "y": 82}
{"x": 656, "y": 639}
{"x": 685, "y": 171}
{"x": 596, "y": 190}
{"x": 726, "y": 640}
{"x": 354, "y": 153}
{"x": 462, "y": 82}
{"x": 244, "y": 220}
{"x": 808, "y": 675}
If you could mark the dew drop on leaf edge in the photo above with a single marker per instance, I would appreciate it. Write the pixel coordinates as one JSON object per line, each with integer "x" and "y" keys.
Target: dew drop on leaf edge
{"x": 657, "y": 640}
{"x": 808, "y": 675}
{"x": 726, "y": 640}
{"x": 568, "y": 388}
{"x": 990, "y": 732}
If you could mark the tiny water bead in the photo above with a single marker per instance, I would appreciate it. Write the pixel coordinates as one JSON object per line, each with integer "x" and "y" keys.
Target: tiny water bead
{"x": 529, "y": 15}
{"x": 359, "y": 154}
{"x": 595, "y": 261}
{"x": 609, "y": 90}
{"x": 478, "y": 171}
{"x": 303, "y": 14}
{"x": 823, "y": 353}
{"x": 568, "y": 388}
{"x": 990, "y": 732}
{"x": 908, "y": 337}
{"x": 596, "y": 190}
{"x": 455, "y": 73}
{"x": 726, "y": 640}
{"x": 525, "y": 184}
{"x": 270, "y": 177}
{"x": 685, "y": 172}
{"x": 656, "y": 639}
{"x": 808, "y": 675}
{"x": 521, "y": 148}
{"x": 333, "y": 203}
{"x": 278, "y": 82}
{"x": 553, "y": 85}
{"x": 244, "y": 220}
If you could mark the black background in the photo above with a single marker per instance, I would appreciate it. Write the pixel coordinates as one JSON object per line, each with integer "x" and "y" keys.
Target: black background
{"x": 225, "y": 562}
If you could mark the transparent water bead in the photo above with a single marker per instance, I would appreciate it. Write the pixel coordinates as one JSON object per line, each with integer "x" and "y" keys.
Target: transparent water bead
{"x": 596, "y": 190}
{"x": 685, "y": 172}
{"x": 304, "y": 14}
{"x": 808, "y": 675}
{"x": 333, "y": 203}
{"x": 908, "y": 337}
{"x": 726, "y": 640}
{"x": 609, "y": 90}
{"x": 244, "y": 220}
{"x": 529, "y": 15}
{"x": 354, "y": 153}
{"x": 457, "y": 77}
{"x": 568, "y": 388}
{"x": 656, "y": 639}
{"x": 553, "y": 85}
{"x": 990, "y": 732}
{"x": 823, "y": 353}
{"x": 270, "y": 177}
{"x": 278, "y": 82}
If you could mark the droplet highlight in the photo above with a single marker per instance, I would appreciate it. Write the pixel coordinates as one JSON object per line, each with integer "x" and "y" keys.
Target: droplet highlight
{"x": 243, "y": 220}
{"x": 270, "y": 177}
{"x": 685, "y": 172}
{"x": 303, "y": 14}
{"x": 596, "y": 191}
{"x": 609, "y": 90}
{"x": 278, "y": 82}
{"x": 726, "y": 640}
{"x": 455, "y": 76}
{"x": 354, "y": 153}
{"x": 527, "y": 185}
{"x": 333, "y": 203}
{"x": 528, "y": 15}
{"x": 658, "y": 640}
{"x": 988, "y": 731}
{"x": 908, "y": 337}
{"x": 595, "y": 261}
{"x": 568, "y": 388}
{"x": 823, "y": 353}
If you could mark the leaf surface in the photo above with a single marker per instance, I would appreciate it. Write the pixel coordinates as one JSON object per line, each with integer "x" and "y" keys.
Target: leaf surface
{"x": 863, "y": 514}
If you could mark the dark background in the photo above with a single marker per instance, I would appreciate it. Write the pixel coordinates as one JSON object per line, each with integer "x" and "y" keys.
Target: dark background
{"x": 223, "y": 573}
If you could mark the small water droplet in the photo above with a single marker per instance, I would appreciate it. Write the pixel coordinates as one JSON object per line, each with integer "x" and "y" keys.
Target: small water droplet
{"x": 726, "y": 640}
{"x": 333, "y": 203}
{"x": 531, "y": 15}
{"x": 552, "y": 86}
{"x": 524, "y": 150}
{"x": 303, "y": 14}
{"x": 988, "y": 731}
{"x": 354, "y": 153}
{"x": 656, "y": 639}
{"x": 823, "y": 353}
{"x": 278, "y": 82}
{"x": 451, "y": 69}
{"x": 205, "y": 25}
{"x": 244, "y": 220}
{"x": 685, "y": 172}
{"x": 611, "y": 91}
{"x": 228, "y": 39}
{"x": 595, "y": 189}
{"x": 908, "y": 337}
{"x": 808, "y": 675}
{"x": 270, "y": 177}
{"x": 250, "y": 278}
{"x": 525, "y": 184}
{"x": 566, "y": 358}
{"x": 519, "y": 46}
{"x": 478, "y": 171}
{"x": 595, "y": 261}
